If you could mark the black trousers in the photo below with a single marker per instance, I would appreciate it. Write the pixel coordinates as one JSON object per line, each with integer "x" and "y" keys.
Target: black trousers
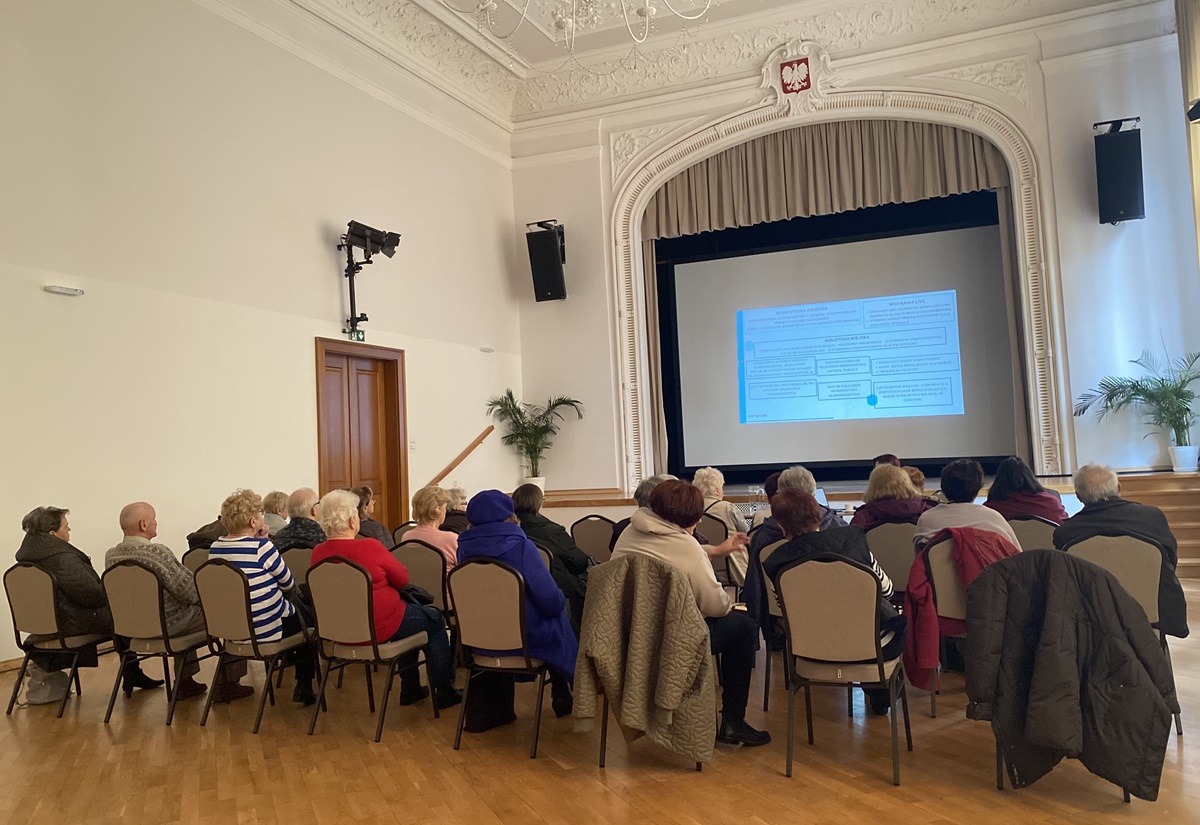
{"x": 305, "y": 656}
{"x": 733, "y": 637}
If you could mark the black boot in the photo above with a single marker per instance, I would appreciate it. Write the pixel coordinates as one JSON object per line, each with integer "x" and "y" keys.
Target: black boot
{"x": 447, "y": 697}
{"x": 737, "y": 732}
{"x": 132, "y": 676}
{"x": 412, "y": 691}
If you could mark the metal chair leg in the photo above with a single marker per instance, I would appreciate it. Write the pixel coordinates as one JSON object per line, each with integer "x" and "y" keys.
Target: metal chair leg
{"x": 1125, "y": 796}
{"x": 174, "y": 697}
{"x": 370, "y": 687}
{"x": 999, "y": 767}
{"x": 604, "y": 732}
{"x": 895, "y": 735}
{"x": 166, "y": 673}
{"x": 904, "y": 705}
{"x": 320, "y": 696}
{"x": 62, "y": 706}
{"x": 850, "y": 701}
{"x": 112, "y": 699}
{"x": 791, "y": 729}
{"x": 537, "y": 722}
{"x": 341, "y": 675}
{"x": 267, "y": 691}
{"x": 79, "y": 687}
{"x": 387, "y": 690}
{"x": 462, "y": 711}
{"x": 767, "y": 679}
{"x": 934, "y": 688}
{"x": 216, "y": 681}
{"x": 12, "y": 700}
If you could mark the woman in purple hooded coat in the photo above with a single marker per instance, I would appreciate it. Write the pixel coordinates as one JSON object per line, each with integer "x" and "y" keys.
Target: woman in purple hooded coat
{"x": 495, "y": 533}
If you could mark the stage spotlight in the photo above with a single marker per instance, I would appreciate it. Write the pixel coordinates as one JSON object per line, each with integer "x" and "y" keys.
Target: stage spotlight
{"x": 371, "y": 240}
{"x": 1193, "y": 112}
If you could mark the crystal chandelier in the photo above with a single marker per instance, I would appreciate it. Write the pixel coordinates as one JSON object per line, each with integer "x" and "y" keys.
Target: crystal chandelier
{"x": 570, "y": 17}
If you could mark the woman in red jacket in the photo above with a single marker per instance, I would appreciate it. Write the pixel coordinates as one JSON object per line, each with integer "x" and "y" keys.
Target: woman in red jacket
{"x": 1016, "y": 492}
{"x": 394, "y": 617}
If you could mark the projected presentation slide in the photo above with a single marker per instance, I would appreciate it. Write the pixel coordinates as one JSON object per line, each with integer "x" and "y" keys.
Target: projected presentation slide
{"x": 888, "y": 357}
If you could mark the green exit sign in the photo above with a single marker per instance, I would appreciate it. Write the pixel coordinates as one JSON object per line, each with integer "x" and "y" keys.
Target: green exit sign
{"x": 358, "y": 335}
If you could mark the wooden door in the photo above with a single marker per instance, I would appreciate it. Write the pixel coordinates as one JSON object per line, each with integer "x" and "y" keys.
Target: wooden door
{"x": 360, "y": 424}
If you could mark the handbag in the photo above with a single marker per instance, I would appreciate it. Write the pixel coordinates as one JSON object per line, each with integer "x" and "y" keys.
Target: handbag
{"x": 415, "y": 594}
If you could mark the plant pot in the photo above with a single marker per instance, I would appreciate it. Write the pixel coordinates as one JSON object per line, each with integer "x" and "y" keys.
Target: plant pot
{"x": 540, "y": 481}
{"x": 1183, "y": 459}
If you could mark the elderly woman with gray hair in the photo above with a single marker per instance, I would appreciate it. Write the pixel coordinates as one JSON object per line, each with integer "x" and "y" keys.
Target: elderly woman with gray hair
{"x": 711, "y": 483}
{"x": 394, "y": 617}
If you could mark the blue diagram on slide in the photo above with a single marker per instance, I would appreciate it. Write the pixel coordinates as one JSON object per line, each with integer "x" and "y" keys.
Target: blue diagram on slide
{"x": 889, "y": 357}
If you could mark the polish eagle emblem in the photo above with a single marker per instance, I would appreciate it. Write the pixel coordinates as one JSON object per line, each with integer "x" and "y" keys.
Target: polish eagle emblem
{"x": 795, "y": 76}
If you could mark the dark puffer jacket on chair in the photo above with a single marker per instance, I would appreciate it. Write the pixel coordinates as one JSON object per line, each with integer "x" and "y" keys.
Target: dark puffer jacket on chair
{"x": 1064, "y": 663}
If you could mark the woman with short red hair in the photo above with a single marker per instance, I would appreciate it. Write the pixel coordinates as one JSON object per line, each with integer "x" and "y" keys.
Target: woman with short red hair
{"x": 663, "y": 531}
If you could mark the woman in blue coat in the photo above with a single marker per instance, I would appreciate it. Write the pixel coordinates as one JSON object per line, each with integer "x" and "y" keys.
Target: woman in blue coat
{"x": 495, "y": 533}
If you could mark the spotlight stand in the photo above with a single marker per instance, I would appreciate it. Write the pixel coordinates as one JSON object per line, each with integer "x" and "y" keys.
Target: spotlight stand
{"x": 353, "y": 268}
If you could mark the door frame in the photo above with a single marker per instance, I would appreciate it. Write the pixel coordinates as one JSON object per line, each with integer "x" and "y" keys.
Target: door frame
{"x": 396, "y": 409}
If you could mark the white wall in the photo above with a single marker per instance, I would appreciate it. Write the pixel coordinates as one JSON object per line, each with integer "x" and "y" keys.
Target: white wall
{"x": 1135, "y": 286}
{"x": 192, "y": 178}
{"x": 566, "y": 346}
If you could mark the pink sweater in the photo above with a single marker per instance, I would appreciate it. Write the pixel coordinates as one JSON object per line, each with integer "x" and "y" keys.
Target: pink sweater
{"x": 443, "y": 540}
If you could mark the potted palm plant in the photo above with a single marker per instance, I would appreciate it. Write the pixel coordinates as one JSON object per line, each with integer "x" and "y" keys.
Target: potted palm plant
{"x": 531, "y": 428}
{"x": 1165, "y": 395}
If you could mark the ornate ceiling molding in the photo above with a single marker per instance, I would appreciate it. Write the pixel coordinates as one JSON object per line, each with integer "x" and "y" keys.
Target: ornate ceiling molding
{"x": 1009, "y": 76}
{"x": 841, "y": 30}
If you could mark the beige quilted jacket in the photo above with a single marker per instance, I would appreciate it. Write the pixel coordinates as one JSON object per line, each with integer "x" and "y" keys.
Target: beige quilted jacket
{"x": 646, "y": 647}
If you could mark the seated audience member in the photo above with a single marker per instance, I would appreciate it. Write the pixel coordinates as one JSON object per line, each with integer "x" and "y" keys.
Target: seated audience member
{"x": 961, "y": 482}
{"x": 918, "y": 482}
{"x": 755, "y": 590}
{"x": 798, "y": 516}
{"x": 247, "y": 547}
{"x": 770, "y": 488}
{"x": 496, "y": 533}
{"x": 203, "y": 537}
{"x": 302, "y": 530}
{"x": 568, "y": 564}
{"x": 456, "y": 511}
{"x": 275, "y": 512}
{"x": 887, "y": 458}
{"x": 711, "y": 483}
{"x": 181, "y": 602}
{"x": 890, "y": 499}
{"x": 368, "y": 527}
{"x": 1105, "y": 513}
{"x": 641, "y": 495}
{"x": 428, "y": 510}
{"x": 663, "y": 531}
{"x": 78, "y": 597}
{"x": 394, "y": 617}
{"x": 1016, "y": 491}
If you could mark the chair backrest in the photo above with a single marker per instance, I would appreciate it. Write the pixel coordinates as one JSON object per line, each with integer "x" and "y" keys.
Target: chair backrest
{"x": 892, "y": 547}
{"x": 489, "y": 601}
{"x": 1136, "y": 564}
{"x": 715, "y": 530}
{"x": 398, "y": 533}
{"x": 772, "y": 601}
{"x": 298, "y": 560}
{"x": 831, "y": 610}
{"x": 593, "y": 534}
{"x": 426, "y": 568}
{"x": 949, "y": 596}
{"x": 343, "y": 602}
{"x": 225, "y": 599}
{"x": 1033, "y": 532}
{"x": 195, "y": 558}
{"x": 31, "y": 599}
{"x": 135, "y": 597}
{"x": 547, "y": 556}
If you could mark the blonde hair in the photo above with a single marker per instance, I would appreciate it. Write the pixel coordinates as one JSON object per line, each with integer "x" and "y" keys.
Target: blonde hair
{"x": 916, "y": 477}
{"x": 276, "y": 502}
{"x": 336, "y": 511}
{"x": 798, "y": 478}
{"x": 426, "y": 503}
{"x": 710, "y": 481}
{"x": 889, "y": 482}
{"x": 241, "y": 508}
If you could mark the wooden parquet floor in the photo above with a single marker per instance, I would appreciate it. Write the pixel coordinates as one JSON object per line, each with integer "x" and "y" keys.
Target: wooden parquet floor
{"x": 135, "y": 770}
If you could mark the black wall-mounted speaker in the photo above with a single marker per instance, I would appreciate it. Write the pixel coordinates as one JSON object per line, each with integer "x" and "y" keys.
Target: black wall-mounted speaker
{"x": 1119, "y": 176}
{"x": 547, "y": 254}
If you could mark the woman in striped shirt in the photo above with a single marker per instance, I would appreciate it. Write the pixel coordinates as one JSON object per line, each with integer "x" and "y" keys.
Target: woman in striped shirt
{"x": 247, "y": 547}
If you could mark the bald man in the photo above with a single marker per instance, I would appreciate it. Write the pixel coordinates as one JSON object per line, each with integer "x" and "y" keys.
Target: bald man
{"x": 302, "y": 529}
{"x": 181, "y": 602}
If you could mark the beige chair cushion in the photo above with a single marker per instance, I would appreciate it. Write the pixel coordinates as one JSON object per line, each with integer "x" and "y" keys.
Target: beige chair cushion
{"x": 177, "y": 643}
{"x": 843, "y": 672}
{"x": 246, "y": 650}
{"x": 72, "y": 642}
{"x": 388, "y": 650}
{"x": 507, "y": 662}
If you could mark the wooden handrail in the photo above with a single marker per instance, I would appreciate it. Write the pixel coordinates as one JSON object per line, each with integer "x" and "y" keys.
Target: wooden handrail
{"x": 461, "y": 456}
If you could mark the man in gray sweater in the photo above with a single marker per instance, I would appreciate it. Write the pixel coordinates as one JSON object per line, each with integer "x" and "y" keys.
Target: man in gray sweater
{"x": 181, "y": 602}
